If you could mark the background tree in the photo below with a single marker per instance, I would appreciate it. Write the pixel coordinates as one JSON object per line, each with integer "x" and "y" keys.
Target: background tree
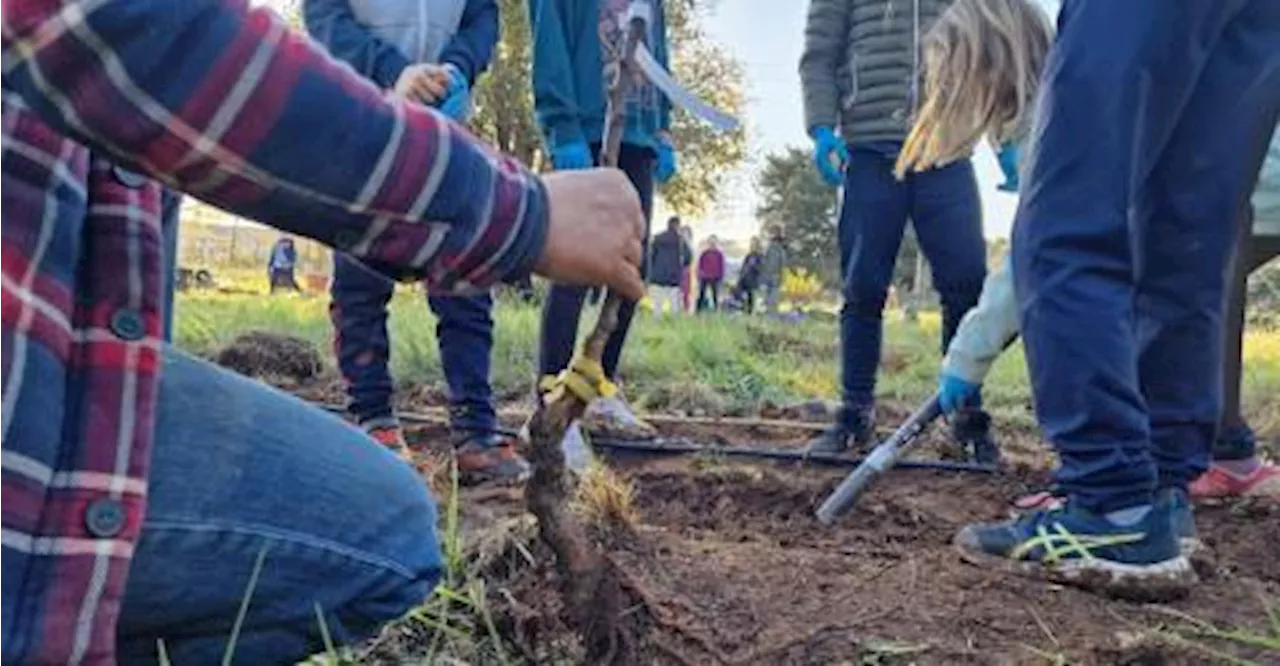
{"x": 504, "y": 96}
{"x": 794, "y": 196}
{"x": 709, "y": 71}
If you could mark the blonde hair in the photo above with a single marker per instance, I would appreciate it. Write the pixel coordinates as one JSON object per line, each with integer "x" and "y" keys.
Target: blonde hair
{"x": 982, "y": 65}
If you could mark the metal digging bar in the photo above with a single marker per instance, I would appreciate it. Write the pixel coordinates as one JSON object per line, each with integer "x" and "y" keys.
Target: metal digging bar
{"x": 883, "y": 457}
{"x": 592, "y": 592}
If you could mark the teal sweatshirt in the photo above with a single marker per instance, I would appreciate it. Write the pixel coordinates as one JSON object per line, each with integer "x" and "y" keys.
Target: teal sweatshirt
{"x": 569, "y": 79}
{"x": 993, "y": 322}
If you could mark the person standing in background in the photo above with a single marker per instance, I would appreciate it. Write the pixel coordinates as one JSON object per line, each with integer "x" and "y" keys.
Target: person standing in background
{"x": 575, "y": 46}
{"x": 686, "y": 276}
{"x": 860, "y": 73}
{"x": 670, "y": 258}
{"x": 710, "y": 275}
{"x": 749, "y": 277}
{"x": 282, "y": 261}
{"x": 771, "y": 269}
{"x": 430, "y": 52}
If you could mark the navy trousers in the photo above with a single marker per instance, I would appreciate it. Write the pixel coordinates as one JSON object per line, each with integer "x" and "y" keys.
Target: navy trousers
{"x": 563, "y": 306}
{"x": 464, "y": 332}
{"x": 944, "y": 207}
{"x": 1151, "y": 128}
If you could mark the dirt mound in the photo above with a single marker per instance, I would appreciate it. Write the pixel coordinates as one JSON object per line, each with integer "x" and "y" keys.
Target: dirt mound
{"x": 271, "y": 356}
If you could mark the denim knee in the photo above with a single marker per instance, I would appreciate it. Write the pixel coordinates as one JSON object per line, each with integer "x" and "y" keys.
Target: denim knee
{"x": 864, "y": 301}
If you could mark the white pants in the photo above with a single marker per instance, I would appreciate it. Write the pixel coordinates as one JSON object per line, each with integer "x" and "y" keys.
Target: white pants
{"x": 660, "y": 295}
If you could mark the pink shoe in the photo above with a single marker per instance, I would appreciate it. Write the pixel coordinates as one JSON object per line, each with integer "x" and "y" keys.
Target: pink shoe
{"x": 1218, "y": 483}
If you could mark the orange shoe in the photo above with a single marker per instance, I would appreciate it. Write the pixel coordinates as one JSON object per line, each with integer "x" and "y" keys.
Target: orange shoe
{"x": 490, "y": 459}
{"x": 392, "y": 437}
{"x": 1218, "y": 483}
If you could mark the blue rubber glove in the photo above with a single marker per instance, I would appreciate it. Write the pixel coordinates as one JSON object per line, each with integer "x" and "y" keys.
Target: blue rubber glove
{"x": 830, "y": 155}
{"x": 1008, "y": 158}
{"x": 457, "y": 100}
{"x": 570, "y": 156}
{"x": 955, "y": 393}
{"x": 665, "y": 168}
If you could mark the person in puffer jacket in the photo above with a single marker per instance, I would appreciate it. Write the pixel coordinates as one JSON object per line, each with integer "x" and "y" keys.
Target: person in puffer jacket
{"x": 430, "y": 51}
{"x": 860, "y": 73}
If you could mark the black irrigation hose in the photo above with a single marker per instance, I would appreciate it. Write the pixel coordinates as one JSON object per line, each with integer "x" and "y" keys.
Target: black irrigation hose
{"x": 661, "y": 446}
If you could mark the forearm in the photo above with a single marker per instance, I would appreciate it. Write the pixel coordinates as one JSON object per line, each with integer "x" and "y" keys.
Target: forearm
{"x": 986, "y": 330}
{"x": 274, "y": 130}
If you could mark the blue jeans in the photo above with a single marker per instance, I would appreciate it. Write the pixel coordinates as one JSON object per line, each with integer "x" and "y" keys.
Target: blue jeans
{"x": 344, "y": 525}
{"x": 464, "y": 332}
{"x": 944, "y": 207}
{"x": 563, "y": 307}
{"x": 1148, "y": 144}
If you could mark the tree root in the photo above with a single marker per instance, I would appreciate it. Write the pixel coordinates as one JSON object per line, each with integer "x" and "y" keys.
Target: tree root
{"x": 593, "y": 597}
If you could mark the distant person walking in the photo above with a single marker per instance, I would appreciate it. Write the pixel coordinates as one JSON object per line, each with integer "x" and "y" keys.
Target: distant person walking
{"x": 670, "y": 257}
{"x": 281, "y": 265}
{"x": 749, "y": 277}
{"x": 686, "y": 276}
{"x": 710, "y": 275}
{"x": 775, "y": 259}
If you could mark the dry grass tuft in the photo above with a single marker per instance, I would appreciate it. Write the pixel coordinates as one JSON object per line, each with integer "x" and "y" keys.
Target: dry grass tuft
{"x": 605, "y": 500}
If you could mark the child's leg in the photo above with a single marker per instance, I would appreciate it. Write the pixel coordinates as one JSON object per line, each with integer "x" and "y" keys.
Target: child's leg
{"x": 358, "y": 309}
{"x": 1204, "y": 176}
{"x": 637, "y": 163}
{"x": 342, "y": 526}
{"x": 464, "y": 333}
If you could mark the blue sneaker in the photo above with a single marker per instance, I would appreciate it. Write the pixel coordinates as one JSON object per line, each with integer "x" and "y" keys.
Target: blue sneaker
{"x": 1184, "y": 520}
{"x": 1073, "y": 546}
{"x": 1184, "y": 523}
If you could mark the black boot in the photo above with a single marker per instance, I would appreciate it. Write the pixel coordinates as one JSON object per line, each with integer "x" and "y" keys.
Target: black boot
{"x": 853, "y": 428}
{"x": 971, "y": 430}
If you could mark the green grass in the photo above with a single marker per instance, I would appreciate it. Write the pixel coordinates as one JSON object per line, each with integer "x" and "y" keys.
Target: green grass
{"x": 712, "y": 363}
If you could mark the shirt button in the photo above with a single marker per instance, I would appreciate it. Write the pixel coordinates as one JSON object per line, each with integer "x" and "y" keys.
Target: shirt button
{"x": 130, "y": 179}
{"x": 127, "y": 324}
{"x": 104, "y": 518}
{"x": 899, "y": 114}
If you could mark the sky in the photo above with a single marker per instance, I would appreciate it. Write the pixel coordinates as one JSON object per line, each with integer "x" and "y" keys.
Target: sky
{"x": 767, "y": 37}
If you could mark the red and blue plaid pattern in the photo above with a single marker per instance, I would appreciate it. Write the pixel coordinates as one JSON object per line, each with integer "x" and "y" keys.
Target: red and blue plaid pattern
{"x": 225, "y": 103}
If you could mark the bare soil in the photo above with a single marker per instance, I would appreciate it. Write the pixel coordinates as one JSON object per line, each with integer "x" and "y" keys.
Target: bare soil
{"x": 727, "y": 565}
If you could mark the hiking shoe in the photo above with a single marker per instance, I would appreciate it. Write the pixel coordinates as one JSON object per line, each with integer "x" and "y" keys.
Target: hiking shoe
{"x": 971, "y": 431}
{"x": 1218, "y": 483}
{"x": 613, "y": 416}
{"x": 490, "y": 457}
{"x": 856, "y": 432}
{"x": 1184, "y": 523}
{"x": 1074, "y": 546}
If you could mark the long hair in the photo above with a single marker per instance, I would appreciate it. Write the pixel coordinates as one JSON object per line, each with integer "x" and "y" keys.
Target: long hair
{"x": 982, "y": 64}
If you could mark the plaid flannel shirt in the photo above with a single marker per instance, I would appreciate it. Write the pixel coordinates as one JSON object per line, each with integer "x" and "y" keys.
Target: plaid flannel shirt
{"x": 227, "y": 104}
